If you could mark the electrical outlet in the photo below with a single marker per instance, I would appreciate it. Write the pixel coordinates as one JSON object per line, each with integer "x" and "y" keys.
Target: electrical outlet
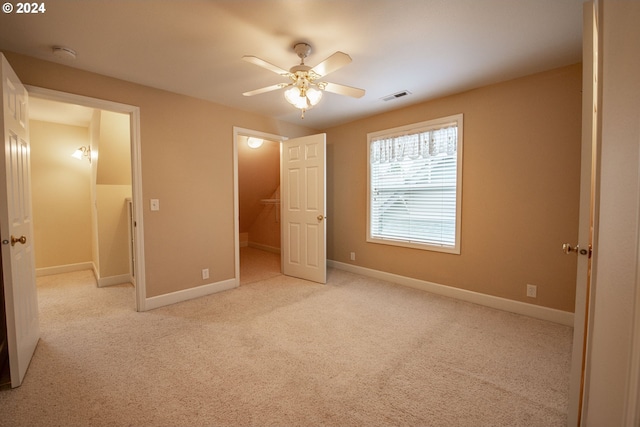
{"x": 353, "y": 256}
{"x": 532, "y": 291}
{"x": 205, "y": 273}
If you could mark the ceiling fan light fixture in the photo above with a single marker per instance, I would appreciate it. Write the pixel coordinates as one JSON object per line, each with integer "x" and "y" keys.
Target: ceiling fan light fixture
{"x": 314, "y": 95}
{"x": 302, "y": 100}
{"x": 292, "y": 95}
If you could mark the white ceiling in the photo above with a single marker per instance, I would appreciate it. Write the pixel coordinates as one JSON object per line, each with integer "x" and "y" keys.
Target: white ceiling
{"x": 58, "y": 112}
{"x": 430, "y": 48}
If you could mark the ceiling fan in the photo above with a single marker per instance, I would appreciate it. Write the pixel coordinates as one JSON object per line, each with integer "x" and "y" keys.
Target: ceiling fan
{"x": 305, "y": 90}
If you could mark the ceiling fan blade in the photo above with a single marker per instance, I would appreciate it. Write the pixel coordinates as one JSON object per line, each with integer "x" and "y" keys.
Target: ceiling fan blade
{"x": 353, "y": 92}
{"x": 264, "y": 64}
{"x": 266, "y": 89}
{"x": 331, "y": 64}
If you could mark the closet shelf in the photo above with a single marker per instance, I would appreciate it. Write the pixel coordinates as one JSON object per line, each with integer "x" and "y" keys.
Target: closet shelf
{"x": 270, "y": 201}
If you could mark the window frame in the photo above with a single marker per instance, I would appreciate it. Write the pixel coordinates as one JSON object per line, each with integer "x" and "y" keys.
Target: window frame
{"x": 424, "y": 126}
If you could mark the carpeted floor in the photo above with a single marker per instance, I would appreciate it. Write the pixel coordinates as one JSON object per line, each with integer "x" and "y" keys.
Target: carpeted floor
{"x": 257, "y": 265}
{"x": 283, "y": 351}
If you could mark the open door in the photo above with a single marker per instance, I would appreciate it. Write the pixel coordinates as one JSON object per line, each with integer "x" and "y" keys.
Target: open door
{"x": 16, "y": 227}
{"x": 304, "y": 229}
{"x": 588, "y": 217}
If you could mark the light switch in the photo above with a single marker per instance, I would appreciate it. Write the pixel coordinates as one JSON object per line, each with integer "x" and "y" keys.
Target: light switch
{"x": 155, "y": 204}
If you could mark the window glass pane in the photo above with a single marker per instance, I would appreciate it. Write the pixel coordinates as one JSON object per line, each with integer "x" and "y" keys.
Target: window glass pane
{"x": 413, "y": 186}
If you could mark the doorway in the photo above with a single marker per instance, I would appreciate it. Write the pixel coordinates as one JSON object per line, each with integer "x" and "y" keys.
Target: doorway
{"x": 257, "y": 191}
{"x": 89, "y": 211}
{"x": 124, "y": 219}
{"x": 303, "y": 230}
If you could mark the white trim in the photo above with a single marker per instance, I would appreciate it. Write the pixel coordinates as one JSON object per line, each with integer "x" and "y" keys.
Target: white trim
{"x": 191, "y": 293}
{"x": 536, "y": 311}
{"x": 136, "y": 190}
{"x": 114, "y": 280}
{"x": 238, "y": 131}
{"x": 67, "y": 268}
{"x": 136, "y": 168}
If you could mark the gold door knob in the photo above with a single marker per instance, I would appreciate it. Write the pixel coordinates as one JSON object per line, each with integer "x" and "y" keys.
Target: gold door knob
{"x": 320, "y": 217}
{"x": 21, "y": 239}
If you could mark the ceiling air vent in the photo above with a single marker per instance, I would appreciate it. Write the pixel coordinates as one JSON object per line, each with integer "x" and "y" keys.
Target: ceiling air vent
{"x": 396, "y": 95}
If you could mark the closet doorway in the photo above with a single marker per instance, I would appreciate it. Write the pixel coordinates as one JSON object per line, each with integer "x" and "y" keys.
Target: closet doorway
{"x": 258, "y": 229}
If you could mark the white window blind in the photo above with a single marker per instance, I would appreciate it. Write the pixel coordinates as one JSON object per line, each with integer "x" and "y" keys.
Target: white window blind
{"x": 413, "y": 186}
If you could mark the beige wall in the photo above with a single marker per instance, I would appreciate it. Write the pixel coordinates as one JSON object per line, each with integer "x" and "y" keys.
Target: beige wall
{"x": 61, "y": 195}
{"x": 258, "y": 179}
{"x": 521, "y": 171}
{"x": 265, "y": 231}
{"x": 113, "y": 229}
{"x": 113, "y": 149}
{"x": 187, "y": 163}
{"x": 113, "y": 187}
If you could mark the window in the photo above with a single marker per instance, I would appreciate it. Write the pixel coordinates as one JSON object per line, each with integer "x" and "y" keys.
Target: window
{"x": 415, "y": 185}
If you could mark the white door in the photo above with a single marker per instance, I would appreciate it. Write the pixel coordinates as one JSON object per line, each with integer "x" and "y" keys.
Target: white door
{"x": 304, "y": 229}
{"x": 16, "y": 228}
{"x": 588, "y": 216}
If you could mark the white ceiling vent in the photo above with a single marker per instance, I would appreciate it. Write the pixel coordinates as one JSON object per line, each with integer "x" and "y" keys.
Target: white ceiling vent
{"x": 396, "y": 95}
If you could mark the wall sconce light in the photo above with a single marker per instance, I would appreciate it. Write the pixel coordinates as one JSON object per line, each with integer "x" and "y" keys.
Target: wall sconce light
{"x": 253, "y": 142}
{"x": 82, "y": 152}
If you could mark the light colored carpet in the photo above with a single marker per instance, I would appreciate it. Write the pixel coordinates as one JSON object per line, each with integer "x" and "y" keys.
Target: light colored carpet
{"x": 256, "y": 265}
{"x": 282, "y": 351}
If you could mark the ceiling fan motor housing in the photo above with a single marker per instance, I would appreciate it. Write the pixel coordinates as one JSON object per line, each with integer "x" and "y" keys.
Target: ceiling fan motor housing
{"x": 299, "y": 68}
{"x": 302, "y": 50}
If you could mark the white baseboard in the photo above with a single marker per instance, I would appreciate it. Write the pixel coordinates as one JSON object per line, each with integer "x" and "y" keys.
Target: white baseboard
{"x": 114, "y": 280}
{"x": 267, "y": 248}
{"x": 535, "y": 311}
{"x": 187, "y": 294}
{"x": 67, "y": 268}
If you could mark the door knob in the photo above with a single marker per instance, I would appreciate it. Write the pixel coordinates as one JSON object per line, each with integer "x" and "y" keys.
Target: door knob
{"x": 21, "y": 239}
{"x": 321, "y": 217}
{"x": 567, "y": 249}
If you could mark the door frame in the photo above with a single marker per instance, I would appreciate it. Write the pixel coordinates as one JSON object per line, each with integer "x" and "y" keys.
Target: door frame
{"x": 588, "y": 220}
{"x": 136, "y": 169}
{"x": 237, "y": 133}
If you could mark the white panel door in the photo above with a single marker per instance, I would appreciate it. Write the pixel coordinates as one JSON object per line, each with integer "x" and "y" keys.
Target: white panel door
{"x": 304, "y": 230}
{"x": 16, "y": 228}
